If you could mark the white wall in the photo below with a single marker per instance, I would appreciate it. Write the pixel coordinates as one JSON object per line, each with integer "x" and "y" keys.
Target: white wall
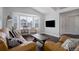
{"x": 1, "y": 16}
{"x": 6, "y": 12}
{"x": 53, "y": 15}
{"x": 69, "y": 22}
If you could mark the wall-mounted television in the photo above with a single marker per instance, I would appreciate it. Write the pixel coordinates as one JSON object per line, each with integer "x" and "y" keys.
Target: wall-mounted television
{"x": 50, "y": 23}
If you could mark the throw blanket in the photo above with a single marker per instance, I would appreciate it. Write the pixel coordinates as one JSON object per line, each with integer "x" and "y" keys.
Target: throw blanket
{"x": 17, "y": 41}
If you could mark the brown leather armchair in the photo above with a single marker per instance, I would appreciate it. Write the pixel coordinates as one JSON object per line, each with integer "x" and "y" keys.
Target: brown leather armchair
{"x": 52, "y": 46}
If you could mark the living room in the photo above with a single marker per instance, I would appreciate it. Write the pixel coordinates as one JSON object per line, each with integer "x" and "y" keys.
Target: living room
{"x": 31, "y": 24}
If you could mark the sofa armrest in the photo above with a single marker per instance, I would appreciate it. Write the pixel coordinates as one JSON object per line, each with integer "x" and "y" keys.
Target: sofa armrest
{"x": 77, "y": 48}
{"x": 59, "y": 43}
{"x": 25, "y": 47}
{"x": 51, "y": 46}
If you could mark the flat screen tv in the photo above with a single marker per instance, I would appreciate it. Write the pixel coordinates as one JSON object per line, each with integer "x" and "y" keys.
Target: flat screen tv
{"x": 50, "y": 23}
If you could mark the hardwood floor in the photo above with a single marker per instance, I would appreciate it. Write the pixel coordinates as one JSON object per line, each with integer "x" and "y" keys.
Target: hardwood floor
{"x": 28, "y": 37}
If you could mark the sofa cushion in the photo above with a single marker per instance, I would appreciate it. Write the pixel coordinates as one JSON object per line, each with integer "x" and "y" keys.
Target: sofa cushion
{"x": 52, "y": 46}
{"x": 3, "y": 45}
{"x": 63, "y": 38}
{"x": 28, "y": 46}
{"x": 4, "y": 36}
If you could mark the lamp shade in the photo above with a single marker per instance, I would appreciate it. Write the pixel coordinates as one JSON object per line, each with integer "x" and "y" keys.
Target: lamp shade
{"x": 8, "y": 17}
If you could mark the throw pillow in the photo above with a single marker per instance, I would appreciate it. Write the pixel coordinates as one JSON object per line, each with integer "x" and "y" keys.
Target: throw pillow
{"x": 70, "y": 44}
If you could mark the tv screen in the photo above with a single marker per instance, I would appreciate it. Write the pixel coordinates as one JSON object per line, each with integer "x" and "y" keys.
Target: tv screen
{"x": 50, "y": 23}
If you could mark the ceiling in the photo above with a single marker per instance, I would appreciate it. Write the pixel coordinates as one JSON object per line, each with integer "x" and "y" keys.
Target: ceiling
{"x": 43, "y": 10}
{"x": 58, "y": 8}
{"x": 46, "y": 10}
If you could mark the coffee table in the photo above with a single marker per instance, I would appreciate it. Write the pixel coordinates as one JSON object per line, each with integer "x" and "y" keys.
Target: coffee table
{"x": 40, "y": 38}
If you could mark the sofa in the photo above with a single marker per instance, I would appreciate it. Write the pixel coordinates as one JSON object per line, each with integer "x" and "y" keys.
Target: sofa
{"x": 50, "y": 45}
{"x": 25, "y": 46}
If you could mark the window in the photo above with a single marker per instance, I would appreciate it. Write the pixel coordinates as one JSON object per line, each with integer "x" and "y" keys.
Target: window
{"x": 22, "y": 21}
{"x": 29, "y": 22}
